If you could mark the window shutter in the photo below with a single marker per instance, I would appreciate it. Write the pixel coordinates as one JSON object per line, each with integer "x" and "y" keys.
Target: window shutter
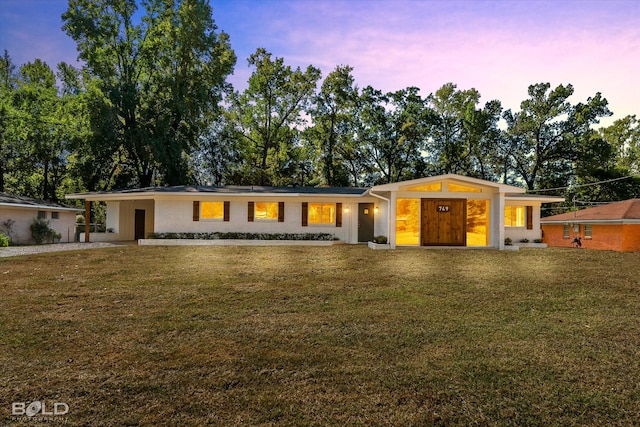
{"x": 250, "y": 212}
{"x": 529, "y": 217}
{"x": 280, "y": 211}
{"x": 305, "y": 208}
{"x": 225, "y": 214}
{"x": 196, "y": 210}
{"x": 338, "y": 214}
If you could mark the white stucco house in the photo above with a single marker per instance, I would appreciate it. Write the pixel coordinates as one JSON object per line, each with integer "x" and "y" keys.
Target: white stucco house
{"x": 21, "y": 211}
{"x": 445, "y": 210}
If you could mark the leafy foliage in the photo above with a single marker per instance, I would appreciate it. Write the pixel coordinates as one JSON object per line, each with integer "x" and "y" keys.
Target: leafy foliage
{"x": 152, "y": 106}
{"x": 42, "y": 232}
{"x": 244, "y": 236}
{"x": 4, "y": 241}
{"x": 158, "y": 81}
{"x": 266, "y": 117}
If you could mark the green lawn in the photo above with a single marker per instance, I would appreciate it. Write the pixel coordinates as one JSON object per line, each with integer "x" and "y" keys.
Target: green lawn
{"x": 323, "y": 336}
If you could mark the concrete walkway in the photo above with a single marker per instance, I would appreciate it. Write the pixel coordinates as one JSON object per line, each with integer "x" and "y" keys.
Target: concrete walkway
{"x": 58, "y": 247}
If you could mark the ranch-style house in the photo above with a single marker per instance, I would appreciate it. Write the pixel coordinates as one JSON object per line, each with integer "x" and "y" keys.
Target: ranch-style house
{"x": 445, "y": 210}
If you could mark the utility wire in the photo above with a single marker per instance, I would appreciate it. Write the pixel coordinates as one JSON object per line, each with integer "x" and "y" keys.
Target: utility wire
{"x": 580, "y": 185}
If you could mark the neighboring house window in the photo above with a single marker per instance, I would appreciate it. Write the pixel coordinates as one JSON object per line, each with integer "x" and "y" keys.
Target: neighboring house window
{"x": 55, "y": 215}
{"x": 42, "y": 214}
{"x": 514, "y": 216}
{"x": 322, "y": 213}
{"x": 565, "y": 231}
{"x": 587, "y": 231}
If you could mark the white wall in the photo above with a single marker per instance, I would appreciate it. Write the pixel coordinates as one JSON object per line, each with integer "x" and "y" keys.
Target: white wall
{"x": 176, "y": 215}
{"x": 518, "y": 233}
{"x": 23, "y": 217}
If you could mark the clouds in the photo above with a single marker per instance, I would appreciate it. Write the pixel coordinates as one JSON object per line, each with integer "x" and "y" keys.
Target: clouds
{"x": 498, "y": 47}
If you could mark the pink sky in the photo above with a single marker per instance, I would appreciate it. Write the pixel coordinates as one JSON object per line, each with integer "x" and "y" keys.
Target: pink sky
{"x": 497, "y": 47}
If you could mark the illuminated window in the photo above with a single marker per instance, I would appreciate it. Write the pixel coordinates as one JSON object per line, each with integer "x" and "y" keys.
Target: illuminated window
{"x": 436, "y": 186}
{"x": 477, "y": 222}
{"x": 266, "y": 211}
{"x": 514, "y": 216}
{"x": 212, "y": 210}
{"x": 322, "y": 213}
{"x": 408, "y": 222}
{"x": 456, "y": 188}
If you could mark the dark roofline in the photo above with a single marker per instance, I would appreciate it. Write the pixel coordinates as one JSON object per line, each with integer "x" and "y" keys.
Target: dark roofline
{"x": 7, "y": 199}
{"x": 238, "y": 189}
{"x": 602, "y": 213}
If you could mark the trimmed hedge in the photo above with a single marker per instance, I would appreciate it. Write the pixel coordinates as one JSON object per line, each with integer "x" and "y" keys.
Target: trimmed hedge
{"x": 244, "y": 236}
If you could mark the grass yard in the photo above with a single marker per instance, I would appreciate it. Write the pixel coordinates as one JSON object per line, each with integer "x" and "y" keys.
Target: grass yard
{"x": 322, "y": 336}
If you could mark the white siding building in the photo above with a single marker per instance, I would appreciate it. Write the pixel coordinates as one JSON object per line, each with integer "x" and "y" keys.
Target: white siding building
{"x": 446, "y": 210}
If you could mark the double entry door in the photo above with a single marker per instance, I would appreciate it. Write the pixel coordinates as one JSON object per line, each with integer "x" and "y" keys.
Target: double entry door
{"x": 444, "y": 222}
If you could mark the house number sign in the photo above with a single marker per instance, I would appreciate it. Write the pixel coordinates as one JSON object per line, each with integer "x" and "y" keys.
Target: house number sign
{"x": 443, "y": 208}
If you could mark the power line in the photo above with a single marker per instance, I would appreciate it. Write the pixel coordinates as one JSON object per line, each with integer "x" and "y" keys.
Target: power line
{"x": 580, "y": 185}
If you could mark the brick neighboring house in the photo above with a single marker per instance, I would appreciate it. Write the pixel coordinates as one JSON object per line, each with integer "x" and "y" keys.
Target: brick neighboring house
{"x": 614, "y": 226}
{"x": 22, "y": 210}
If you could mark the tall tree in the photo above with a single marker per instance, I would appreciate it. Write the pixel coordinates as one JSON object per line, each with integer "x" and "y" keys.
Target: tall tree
{"x": 486, "y": 158}
{"x": 216, "y": 161}
{"x": 624, "y": 137}
{"x": 450, "y": 146}
{"x": 333, "y": 124}
{"x": 43, "y": 137}
{"x": 160, "y": 78}
{"x": 545, "y": 135}
{"x": 267, "y": 118}
{"x": 393, "y": 129}
{"x": 8, "y": 86}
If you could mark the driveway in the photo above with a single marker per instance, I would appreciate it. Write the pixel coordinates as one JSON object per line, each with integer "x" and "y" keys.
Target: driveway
{"x": 38, "y": 249}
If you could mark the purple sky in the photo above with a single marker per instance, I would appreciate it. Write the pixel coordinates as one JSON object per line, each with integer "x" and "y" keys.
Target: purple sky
{"x": 497, "y": 47}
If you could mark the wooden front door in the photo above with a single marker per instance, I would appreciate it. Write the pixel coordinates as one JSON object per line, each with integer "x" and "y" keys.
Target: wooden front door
{"x": 444, "y": 222}
{"x": 365, "y": 222}
{"x": 139, "y": 224}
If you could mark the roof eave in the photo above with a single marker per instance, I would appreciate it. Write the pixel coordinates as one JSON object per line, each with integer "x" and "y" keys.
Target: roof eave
{"x": 159, "y": 194}
{"x": 543, "y": 199}
{"x": 502, "y": 188}
{"x": 591, "y": 221}
{"x": 55, "y": 208}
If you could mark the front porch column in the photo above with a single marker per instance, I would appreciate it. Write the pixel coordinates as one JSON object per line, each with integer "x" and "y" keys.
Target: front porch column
{"x": 391, "y": 220}
{"x": 87, "y": 220}
{"x": 500, "y": 221}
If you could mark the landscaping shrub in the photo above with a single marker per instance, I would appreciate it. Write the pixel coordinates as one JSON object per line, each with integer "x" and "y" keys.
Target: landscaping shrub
{"x": 524, "y": 240}
{"x": 4, "y": 241}
{"x": 508, "y": 241}
{"x": 42, "y": 233}
{"x": 8, "y": 229}
{"x": 243, "y": 236}
{"x": 380, "y": 239}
